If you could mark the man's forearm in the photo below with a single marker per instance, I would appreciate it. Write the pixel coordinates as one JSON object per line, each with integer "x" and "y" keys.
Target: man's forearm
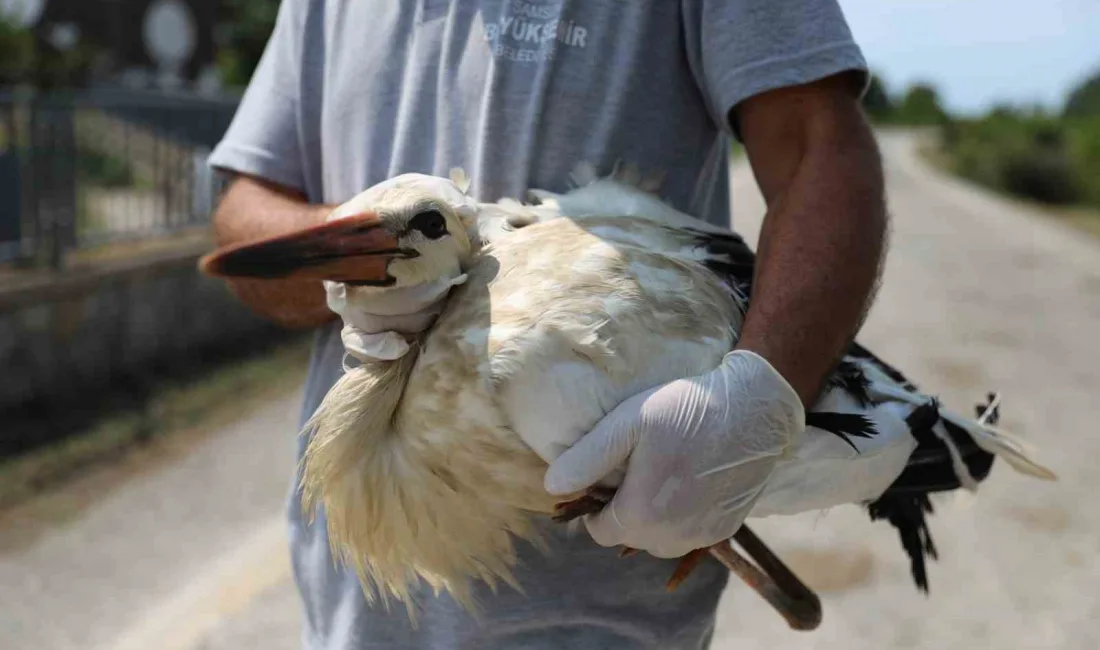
{"x": 253, "y": 209}
{"x": 820, "y": 251}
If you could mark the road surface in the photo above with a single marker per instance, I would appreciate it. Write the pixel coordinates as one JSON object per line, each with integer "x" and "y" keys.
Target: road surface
{"x": 979, "y": 293}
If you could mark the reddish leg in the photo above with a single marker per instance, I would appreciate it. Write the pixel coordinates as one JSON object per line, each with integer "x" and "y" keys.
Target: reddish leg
{"x": 772, "y": 580}
{"x": 686, "y": 566}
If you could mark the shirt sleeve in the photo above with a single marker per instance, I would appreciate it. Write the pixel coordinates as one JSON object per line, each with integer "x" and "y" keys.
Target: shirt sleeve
{"x": 263, "y": 138}
{"x": 740, "y": 48}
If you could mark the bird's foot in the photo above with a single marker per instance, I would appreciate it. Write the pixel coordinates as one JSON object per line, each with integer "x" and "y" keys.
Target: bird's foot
{"x": 686, "y": 566}
{"x": 771, "y": 579}
{"x": 593, "y": 501}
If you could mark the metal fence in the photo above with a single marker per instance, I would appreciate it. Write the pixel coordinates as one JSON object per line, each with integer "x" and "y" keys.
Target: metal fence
{"x": 81, "y": 170}
{"x": 89, "y": 177}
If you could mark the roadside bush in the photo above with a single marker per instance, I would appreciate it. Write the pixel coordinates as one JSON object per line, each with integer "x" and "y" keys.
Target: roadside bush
{"x": 1084, "y": 100}
{"x": 920, "y": 106}
{"x": 1028, "y": 154}
{"x": 1084, "y": 148}
{"x": 1044, "y": 175}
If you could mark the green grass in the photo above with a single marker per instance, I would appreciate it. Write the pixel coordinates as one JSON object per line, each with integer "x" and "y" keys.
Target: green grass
{"x": 197, "y": 406}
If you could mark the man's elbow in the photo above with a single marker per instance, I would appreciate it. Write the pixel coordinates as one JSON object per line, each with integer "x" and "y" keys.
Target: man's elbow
{"x": 840, "y": 133}
{"x": 230, "y": 219}
{"x": 294, "y": 304}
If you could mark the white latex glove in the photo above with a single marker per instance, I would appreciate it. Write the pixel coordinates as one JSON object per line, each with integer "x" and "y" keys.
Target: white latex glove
{"x": 698, "y": 453}
{"x": 376, "y": 322}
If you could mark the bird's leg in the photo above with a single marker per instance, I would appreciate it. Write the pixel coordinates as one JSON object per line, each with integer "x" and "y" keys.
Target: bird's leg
{"x": 772, "y": 579}
{"x": 789, "y": 595}
{"x": 592, "y": 502}
{"x": 685, "y": 567}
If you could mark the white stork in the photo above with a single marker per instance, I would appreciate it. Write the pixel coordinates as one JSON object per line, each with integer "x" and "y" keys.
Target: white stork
{"x": 428, "y": 465}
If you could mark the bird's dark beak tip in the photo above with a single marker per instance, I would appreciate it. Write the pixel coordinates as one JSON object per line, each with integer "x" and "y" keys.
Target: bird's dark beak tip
{"x": 351, "y": 249}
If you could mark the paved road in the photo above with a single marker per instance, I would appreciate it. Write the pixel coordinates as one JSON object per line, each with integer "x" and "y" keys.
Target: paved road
{"x": 979, "y": 293}
{"x": 114, "y": 558}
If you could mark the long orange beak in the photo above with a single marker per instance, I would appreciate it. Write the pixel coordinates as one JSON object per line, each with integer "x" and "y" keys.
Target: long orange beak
{"x": 356, "y": 250}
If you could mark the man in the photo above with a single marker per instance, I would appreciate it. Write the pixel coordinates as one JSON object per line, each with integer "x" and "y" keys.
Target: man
{"x": 518, "y": 92}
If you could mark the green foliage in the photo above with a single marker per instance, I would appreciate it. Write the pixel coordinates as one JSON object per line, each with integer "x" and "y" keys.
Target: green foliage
{"x": 1044, "y": 175}
{"x": 248, "y": 25}
{"x": 920, "y": 107}
{"x": 16, "y": 53}
{"x": 877, "y": 101}
{"x": 1026, "y": 152}
{"x": 1084, "y": 100}
{"x": 26, "y": 59}
{"x": 1029, "y": 154}
{"x": 104, "y": 170}
{"x": 64, "y": 68}
{"x": 1083, "y": 147}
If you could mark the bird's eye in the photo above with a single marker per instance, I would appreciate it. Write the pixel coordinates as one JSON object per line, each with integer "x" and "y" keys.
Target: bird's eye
{"x": 431, "y": 224}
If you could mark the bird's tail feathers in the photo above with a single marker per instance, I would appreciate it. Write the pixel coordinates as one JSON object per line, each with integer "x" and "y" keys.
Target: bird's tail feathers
{"x": 1019, "y": 454}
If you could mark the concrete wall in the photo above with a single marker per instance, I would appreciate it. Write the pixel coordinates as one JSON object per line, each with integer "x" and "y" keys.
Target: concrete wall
{"x": 70, "y": 334}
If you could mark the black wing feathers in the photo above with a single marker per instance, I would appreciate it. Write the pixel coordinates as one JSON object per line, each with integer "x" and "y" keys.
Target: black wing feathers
{"x": 905, "y": 504}
{"x": 907, "y": 513}
{"x": 844, "y": 425}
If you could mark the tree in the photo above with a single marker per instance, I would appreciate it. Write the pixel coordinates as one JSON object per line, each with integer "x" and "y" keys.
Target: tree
{"x": 16, "y": 53}
{"x": 877, "y": 101}
{"x": 243, "y": 36}
{"x": 1084, "y": 100}
{"x": 921, "y": 106}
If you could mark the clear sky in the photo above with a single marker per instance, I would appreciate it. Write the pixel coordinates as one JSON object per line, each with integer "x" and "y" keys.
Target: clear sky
{"x": 979, "y": 52}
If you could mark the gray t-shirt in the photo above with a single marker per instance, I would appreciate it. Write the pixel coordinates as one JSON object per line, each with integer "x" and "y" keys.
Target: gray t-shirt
{"x": 517, "y": 92}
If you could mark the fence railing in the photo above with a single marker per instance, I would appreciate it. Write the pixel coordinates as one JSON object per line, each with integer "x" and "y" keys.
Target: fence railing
{"x": 79, "y": 175}
{"x": 81, "y": 170}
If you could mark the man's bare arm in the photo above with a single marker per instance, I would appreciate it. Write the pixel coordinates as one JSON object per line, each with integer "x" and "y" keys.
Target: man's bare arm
{"x": 822, "y": 241}
{"x": 252, "y": 209}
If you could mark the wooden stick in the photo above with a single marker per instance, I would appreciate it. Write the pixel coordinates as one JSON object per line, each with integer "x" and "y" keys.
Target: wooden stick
{"x": 773, "y": 580}
{"x": 776, "y": 584}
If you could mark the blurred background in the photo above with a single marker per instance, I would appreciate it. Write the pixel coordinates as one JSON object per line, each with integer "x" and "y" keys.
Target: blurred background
{"x": 146, "y": 418}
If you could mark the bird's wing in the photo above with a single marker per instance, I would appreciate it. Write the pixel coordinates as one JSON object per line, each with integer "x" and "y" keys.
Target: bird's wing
{"x": 851, "y": 451}
{"x": 588, "y": 313}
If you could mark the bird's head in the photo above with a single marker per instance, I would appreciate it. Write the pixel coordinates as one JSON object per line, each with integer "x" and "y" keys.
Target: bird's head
{"x": 408, "y": 230}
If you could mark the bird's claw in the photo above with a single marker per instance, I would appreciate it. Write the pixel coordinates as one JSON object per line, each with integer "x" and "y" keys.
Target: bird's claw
{"x": 771, "y": 579}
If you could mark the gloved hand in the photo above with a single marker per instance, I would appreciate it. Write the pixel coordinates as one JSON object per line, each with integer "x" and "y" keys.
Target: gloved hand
{"x": 698, "y": 453}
